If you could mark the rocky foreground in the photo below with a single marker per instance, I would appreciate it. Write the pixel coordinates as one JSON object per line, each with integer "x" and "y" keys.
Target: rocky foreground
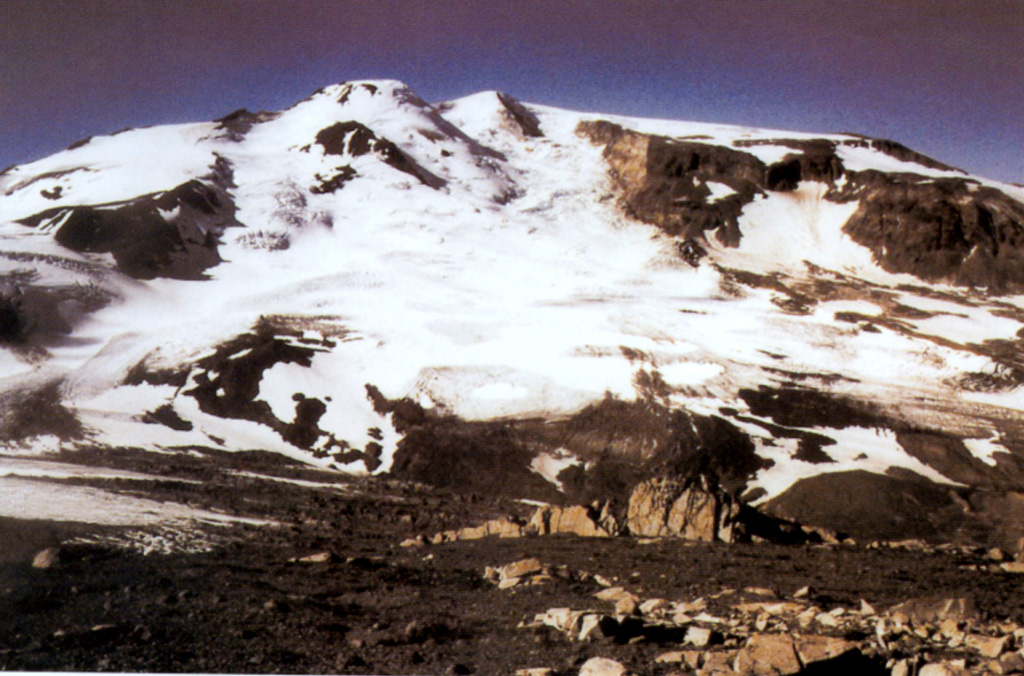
{"x": 317, "y": 581}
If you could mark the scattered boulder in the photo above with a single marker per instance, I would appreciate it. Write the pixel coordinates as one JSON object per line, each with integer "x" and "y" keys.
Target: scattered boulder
{"x": 939, "y": 669}
{"x": 616, "y": 594}
{"x": 570, "y": 622}
{"x": 1010, "y": 663}
{"x": 602, "y": 666}
{"x": 767, "y": 655}
{"x": 689, "y": 658}
{"x": 987, "y": 646}
{"x": 319, "y": 557}
{"x": 701, "y": 637}
{"x": 529, "y": 571}
{"x": 502, "y": 528}
{"x": 520, "y": 568}
{"x": 811, "y": 649}
{"x": 47, "y": 558}
{"x": 717, "y": 664}
{"x": 935, "y": 609}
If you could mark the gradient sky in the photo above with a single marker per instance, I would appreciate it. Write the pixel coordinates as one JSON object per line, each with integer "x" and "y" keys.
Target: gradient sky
{"x": 945, "y": 77}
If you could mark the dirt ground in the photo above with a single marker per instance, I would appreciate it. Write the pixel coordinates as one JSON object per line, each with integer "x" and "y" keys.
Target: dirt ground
{"x": 240, "y": 603}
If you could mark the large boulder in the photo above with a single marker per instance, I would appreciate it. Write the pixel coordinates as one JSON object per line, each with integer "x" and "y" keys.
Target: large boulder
{"x": 669, "y": 507}
{"x": 575, "y": 520}
{"x": 767, "y": 655}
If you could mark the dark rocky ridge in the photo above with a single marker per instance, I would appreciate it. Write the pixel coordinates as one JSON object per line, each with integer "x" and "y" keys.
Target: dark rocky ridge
{"x": 238, "y": 123}
{"x": 947, "y": 229}
{"x": 623, "y": 443}
{"x": 353, "y": 139}
{"x": 527, "y": 122}
{"x": 144, "y": 243}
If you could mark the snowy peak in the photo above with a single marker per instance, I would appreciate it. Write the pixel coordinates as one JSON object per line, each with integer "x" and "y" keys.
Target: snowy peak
{"x": 369, "y": 282}
{"x": 347, "y": 128}
{"x": 492, "y": 112}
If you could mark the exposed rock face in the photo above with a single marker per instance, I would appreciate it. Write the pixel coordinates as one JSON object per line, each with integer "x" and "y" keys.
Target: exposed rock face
{"x": 173, "y": 234}
{"x": 238, "y": 123}
{"x": 899, "y": 151}
{"x": 948, "y": 229}
{"x": 664, "y": 181}
{"x": 666, "y": 507}
{"x": 625, "y": 442}
{"x": 354, "y": 139}
{"x": 521, "y": 116}
{"x": 576, "y": 520}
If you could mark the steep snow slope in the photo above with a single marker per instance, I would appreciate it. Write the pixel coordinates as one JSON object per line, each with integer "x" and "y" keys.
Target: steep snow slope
{"x": 481, "y": 288}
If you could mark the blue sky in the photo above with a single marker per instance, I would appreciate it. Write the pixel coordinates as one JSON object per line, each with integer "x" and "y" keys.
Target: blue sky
{"x": 945, "y": 77}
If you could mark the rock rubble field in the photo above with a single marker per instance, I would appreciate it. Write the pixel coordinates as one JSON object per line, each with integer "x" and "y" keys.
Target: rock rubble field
{"x": 317, "y": 580}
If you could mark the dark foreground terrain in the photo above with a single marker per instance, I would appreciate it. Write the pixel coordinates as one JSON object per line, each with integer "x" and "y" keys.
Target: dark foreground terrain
{"x": 244, "y": 601}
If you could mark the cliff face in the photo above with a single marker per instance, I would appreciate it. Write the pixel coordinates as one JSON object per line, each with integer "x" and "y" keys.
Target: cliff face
{"x": 940, "y": 229}
{"x": 665, "y": 181}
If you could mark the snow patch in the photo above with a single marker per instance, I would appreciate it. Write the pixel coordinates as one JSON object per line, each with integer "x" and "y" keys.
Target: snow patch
{"x": 856, "y": 448}
{"x": 719, "y": 190}
{"x": 985, "y": 449}
{"x": 690, "y": 373}
{"x": 549, "y": 465}
{"x": 34, "y": 499}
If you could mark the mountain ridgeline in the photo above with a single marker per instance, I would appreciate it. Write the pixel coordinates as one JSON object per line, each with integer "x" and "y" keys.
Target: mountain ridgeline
{"x": 499, "y": 297}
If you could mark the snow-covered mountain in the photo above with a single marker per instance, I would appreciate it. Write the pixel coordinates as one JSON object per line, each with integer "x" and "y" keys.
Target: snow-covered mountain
{"x": 501, "y": 296}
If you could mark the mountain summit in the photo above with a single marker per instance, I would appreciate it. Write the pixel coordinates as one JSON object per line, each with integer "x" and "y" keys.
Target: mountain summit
{"x": 499, "y": 296}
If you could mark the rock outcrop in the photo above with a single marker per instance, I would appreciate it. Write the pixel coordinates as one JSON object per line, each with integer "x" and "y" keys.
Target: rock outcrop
{"x": 950, "y": 228}
{"x": 665, "y": 181}
{"x": 752, "y": 632}
{"x": 172, "y": 234}
{"x": 657, "y": 508}
{"x": 667, "y": 507}
{"x": 582, "y": 520}
{"x": 939, "y": 229}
